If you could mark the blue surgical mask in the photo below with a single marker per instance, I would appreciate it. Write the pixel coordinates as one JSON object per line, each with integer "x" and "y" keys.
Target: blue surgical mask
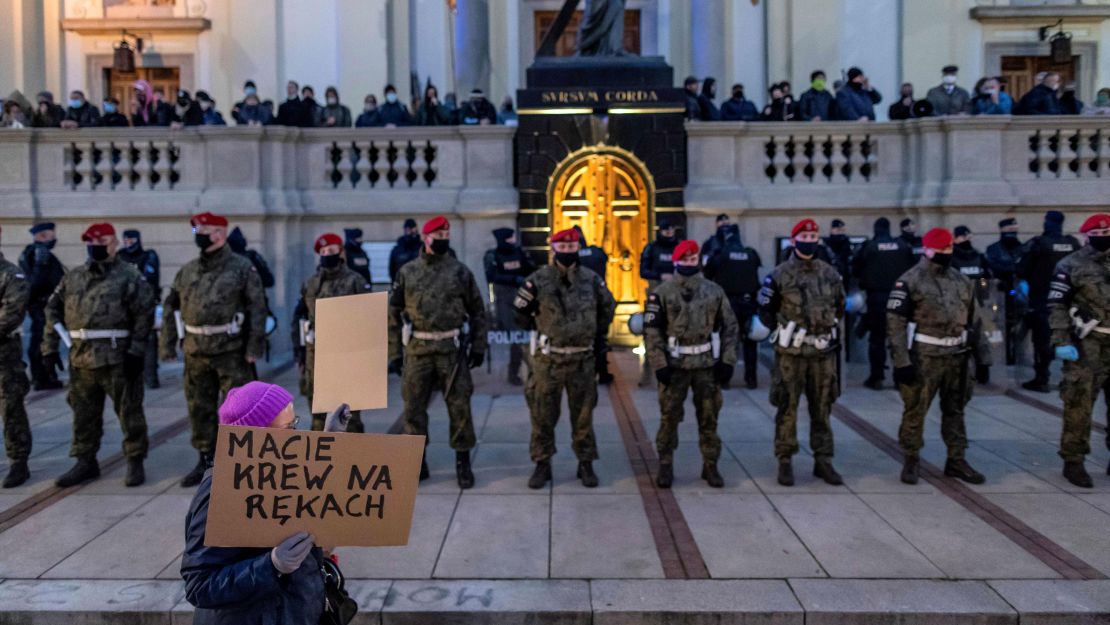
{"x": 250, "y": 91}
{"x": 391, "y": 97}
{"x": 109, "y": 107}
{"x": 75, "y": 104}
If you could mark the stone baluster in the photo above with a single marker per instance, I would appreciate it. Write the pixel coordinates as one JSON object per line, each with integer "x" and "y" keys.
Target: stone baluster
{"x": 837, "y": 158}
{"x": 1085, "y": 154}
{"x": 364, "y": 166}
{"x": 1047, "y": 154}
{"x": 144, "y": 165}
{"x": 856, "y": 158}
{"x": 162, "y": 164}
{"x": 346, "y": 165}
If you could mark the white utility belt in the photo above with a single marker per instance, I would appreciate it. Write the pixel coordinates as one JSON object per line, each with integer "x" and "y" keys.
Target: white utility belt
{"x": 790, "y": 335}
{"x": 1101, "y": 330}
{"x": 677, "y": 351}
{"x": 1083, "y": 327}
{"x": 947, "y": 341}
{"x": 408, "y": 333}
{"x": 67, "y": 336}
{"x": 230, "y": 329}
{"x": 542, "y": 343}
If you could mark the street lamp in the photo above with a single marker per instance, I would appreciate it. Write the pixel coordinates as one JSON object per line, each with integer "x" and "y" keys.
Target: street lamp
{"x": 123, "y": 59}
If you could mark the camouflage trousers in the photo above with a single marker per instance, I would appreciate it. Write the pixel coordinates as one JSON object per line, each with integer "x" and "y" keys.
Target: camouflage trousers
{"x": 88, "y": 389}
{"x": 814, "y": 376}
{"x": 550, "y": 375}
{"x": 1080, "y": 387}
{"x": 707, "y": 405}
{"x": 936, "y": 375}
{"x": 319, "y": 418}
{"x": 13, "y": 389}
{"x": 207, "y": 381}
{"x": 423, "y": 374}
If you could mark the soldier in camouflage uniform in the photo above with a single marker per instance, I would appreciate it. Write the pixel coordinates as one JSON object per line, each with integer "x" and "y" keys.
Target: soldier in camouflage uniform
{"x": 216, "y": 309}
{"x": 107, "y": 310}
{"x": 569, "y": 309}
{"x": 334, "y": 278}
{"x": 433, "y": 298}
{"x": 1079, "y": 314}
{"x": 681, "y": 318}
{"x": 15, "y": 292}
{"x": 802, "y": 299}
{"x": 940, "y": 301}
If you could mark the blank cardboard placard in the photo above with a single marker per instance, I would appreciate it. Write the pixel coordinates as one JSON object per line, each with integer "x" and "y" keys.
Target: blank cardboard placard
{"x": 347, "y": 490}
{"x": 352, "y": 351}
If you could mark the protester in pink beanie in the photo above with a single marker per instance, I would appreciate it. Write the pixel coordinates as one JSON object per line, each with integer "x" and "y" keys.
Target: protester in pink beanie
{"x": 257, "y": 404}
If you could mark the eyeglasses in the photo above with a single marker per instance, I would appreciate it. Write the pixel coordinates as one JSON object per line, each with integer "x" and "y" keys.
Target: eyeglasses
{"x": 293, "y": 424}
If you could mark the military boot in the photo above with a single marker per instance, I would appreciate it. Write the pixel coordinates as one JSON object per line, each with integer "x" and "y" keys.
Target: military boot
{"x": 823, "y": 469}
{"x": 135, "y": 473}
{"x": 424, "y": 472}
{"x": 197, "y": 474}
{"x": 910, "y": 470}
{"x": 750, "y": 380}
{"x": 18, "y": 473}
{"x": 666, "y": 475}
{"x": 86, "y": 469}
{"x": 1077, "y": 474}
{"x": 1037, "y": 385}
{"x": 541, "y": 475}
{"x": 874, "y": 383}
{"x": 962, "y": 470}
{"x": 711, "y": 475}
{"x": 786, "y": 472}
{"x": 587, "y": 475}
{"x": 462, "y": 470}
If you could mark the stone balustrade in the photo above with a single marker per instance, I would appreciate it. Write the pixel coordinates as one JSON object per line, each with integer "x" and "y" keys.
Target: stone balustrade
{"x": 283, "y": 186}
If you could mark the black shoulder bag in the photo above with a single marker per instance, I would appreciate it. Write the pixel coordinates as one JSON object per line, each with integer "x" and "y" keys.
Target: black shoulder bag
{"x": 339, "y": 607}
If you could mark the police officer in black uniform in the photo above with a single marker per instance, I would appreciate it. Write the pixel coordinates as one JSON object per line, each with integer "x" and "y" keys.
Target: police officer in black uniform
{"x": 1038, "y": 261}
{"x": 909, "y": 235}
{"x": 657, "y": 266}
{"x": 973, "y": 264}
{"x": 357, "y": 259}
{"x": 44, "y": 271}
{"x": 596, "y": 260}
{"x": 735, "y": 267}
{"x": 840, "y": 247}
{"x": 150, "y": 267}
{"x": 507, "y": 265}
{"x": 877, "y": 266}
{"x": 1002, "y": 258}
{"x": 717, "y": 241}
{"x": 407, "y": 249}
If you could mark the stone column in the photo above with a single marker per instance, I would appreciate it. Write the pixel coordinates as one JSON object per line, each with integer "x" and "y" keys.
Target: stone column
{"x": 472, "y": 65}
{"x": 707, "y": 39}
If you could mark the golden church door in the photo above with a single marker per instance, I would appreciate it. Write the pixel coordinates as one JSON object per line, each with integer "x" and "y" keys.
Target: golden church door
{"x": 608, "y": 196}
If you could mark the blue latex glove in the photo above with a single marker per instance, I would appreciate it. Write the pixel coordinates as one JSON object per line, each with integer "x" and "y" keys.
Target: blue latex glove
{"x": 1023, "y": 288}
{"x": 1067, "y": 352}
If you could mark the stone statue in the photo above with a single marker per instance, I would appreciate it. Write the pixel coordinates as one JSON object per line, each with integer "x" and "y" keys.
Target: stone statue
{"x": 602, "y": 29}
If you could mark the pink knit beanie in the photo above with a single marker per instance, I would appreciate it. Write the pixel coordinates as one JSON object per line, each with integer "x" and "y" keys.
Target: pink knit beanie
{"x": 255, "y": 404}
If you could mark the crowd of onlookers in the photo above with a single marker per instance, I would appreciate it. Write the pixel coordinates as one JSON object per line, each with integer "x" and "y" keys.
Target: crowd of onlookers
{"x": 149, "y": 106}
{"x": 851, "y": 99}
{"x": 854, "y": 99}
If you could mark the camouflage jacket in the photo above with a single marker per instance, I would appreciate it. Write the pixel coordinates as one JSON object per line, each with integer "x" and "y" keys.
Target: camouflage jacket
{"x": 108, "y": 295}
{"x": 326, "y": 283}
{"x": 1082, "y": 281}
{"x": 808, "y": 292}
{"x": 210, "y": 291}
{"x": 15, "y": 293}
{"x": 941, "y": 303}
{"x": 436, "y": 293}
{"x": 571, "y": 307}
{"x": 689, "y": 309}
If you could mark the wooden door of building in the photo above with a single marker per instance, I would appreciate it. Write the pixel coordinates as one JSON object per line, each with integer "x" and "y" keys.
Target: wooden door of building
{"x": 566, "y": 44}
{"x": 120, "y": 85}
{"x": 608, "y": 194}
{"x": 1019, "y": 72}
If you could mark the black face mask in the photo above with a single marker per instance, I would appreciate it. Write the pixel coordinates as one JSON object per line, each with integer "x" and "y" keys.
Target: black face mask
{"x": 97, "y": 253}
{"x": 203, "y": 241}
{"x": 1100, "y": 243}
{"x": 134, "y": 248}
{"x": 566, "y": 259}
{"x": 1009, "y": 236}
{"x": 687, "y": 270}
{"x": 806, "y": 248}
{"x": 838, "y": 238}
{"x": 944, "y": 260}
{"x": 964, "y": 246}
{"x": 440, "y": 246}
{"x": 665, "y": 240}
{"x": 505, "y": 248}
{"x": 49, "y": 244}
{"x": 331, "y": 262}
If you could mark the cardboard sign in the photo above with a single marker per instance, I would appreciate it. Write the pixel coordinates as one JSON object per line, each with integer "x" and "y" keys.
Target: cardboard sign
{"x": 344, "y": 489}
{"x": 352, "y": 351}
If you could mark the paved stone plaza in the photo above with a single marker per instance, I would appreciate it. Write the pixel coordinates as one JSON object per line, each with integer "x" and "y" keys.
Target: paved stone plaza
{"x": 1025, "y": 545}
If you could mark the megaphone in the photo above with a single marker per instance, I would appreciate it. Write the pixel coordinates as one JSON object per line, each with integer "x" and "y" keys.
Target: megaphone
{"x": 922, "y": 108}
{"x": 756, "y": 330}
{"x": 636, "y": 323}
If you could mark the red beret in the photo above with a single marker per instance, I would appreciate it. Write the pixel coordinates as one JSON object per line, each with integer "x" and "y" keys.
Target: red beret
{"x": 570, "y": 235}
{"x": 684, "y": 249}
{"x": 325, "y": 240}
{"x": 937, "y": 239}
{"x": 96, "y": 231}
{"x": 1100, "y": 221}
{"x": 436, "y": 223}
{"x": 805, "y": 225}
{"x": 208, "y": 219}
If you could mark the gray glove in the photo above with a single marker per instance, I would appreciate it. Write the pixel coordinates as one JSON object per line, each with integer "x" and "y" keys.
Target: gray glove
{"x": 337, "y": 419}
{"x": 287, "y": 556}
